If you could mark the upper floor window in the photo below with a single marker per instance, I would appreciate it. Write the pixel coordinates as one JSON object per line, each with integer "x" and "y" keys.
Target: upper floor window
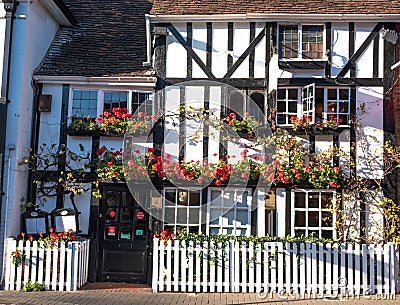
{"x": 91, "y": 103}
{"x": 142, "y": 101}
{"x": 318, "y": 104}
{"x": 115, "y": 99}
{"x": 84, "y": 103}
{"x": 301, "y": 41}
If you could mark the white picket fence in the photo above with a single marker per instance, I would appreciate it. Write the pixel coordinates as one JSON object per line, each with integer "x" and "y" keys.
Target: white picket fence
{"x": 300, "y": 268}
{"x": 59, "y": 268}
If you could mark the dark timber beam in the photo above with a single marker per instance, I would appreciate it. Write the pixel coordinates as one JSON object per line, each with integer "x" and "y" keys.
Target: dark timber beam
{"x": 246, "y": 53}
{"x": 190, "y": 51}
{"x": 353, "y": 59}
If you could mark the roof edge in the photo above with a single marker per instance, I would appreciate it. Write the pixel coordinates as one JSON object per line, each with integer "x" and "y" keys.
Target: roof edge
{"x": 276, "y": 17}
{"x": 142, "y": 81}
{"x": 60, "y": 12}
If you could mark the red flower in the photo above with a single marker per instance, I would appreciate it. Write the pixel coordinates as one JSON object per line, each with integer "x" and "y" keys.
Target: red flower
{"x": 17, "y": 254}
{"x": 112, "y": 214}
{"x": 333, "y": 184}
{"x": 218, "y": 183}
{"x": 109, "y": 163}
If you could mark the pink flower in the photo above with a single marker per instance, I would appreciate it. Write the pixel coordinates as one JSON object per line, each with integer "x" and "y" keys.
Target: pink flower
{"x": 131, "y": 163}
{"x": 200, "y": 180}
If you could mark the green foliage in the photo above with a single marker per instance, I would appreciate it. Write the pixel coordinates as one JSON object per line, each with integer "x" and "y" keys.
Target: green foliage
{"x": 391, "y": 214}
{"x": 33, "y": 286}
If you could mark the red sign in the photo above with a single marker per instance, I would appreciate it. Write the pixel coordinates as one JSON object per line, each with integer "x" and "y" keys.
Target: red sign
{"x": 140, "y": 215}
{"x": 111, "y": 231}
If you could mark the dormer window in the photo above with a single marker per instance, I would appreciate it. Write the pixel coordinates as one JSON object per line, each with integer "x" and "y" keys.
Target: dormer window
{"x": 301, "y": 42}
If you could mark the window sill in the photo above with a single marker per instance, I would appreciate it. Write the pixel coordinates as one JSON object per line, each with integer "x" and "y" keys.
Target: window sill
{"x": 101, "y": 133}
{"x": 293, "y": 64}
{"x": 316, "y": 132}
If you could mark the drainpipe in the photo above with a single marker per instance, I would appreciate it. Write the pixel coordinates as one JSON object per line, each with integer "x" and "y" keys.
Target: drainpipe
{"x": 148, "y": 42}
{"x": 9, "y": 6}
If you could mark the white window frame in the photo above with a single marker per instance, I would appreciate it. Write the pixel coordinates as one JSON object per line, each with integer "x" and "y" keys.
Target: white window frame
{"x": 337, "y": 114}
{"x": 300, "y": 41}
{"x": 306, "y": 209}
{"x": 186, "y": 225}
{"x": 306, "y": 96}
{"x": 222, "y": 226}
{"x": 100, "y": 97}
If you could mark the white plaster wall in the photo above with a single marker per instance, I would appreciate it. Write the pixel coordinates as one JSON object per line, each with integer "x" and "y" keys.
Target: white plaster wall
{"x": 344, "y": 145}
{"x": 259, "y": 54}
{"x": 176, "y": 54}
{"x": 114, "y": 144}
{"x": 220, "y": 49}
{"x": 2, "y": 37}
{"x": 374, "y": 218}
{"x": 370, "y": 135}
{"x": 281, "y": 212}
{"x": 31, "y": 39}
{"x": 364, "y": 65}
{"x": 323, "y": 143}
{"x": 215, "y": 109}
{"x": 241, "y": 40}
{"x": 50, "y": 121}
{"x": 82, "y": 203}
{"x": 194, "y": 96}
{"x": 73, "y": 144}
{"x": 199, "y": 45}
{"x": 340, "y": 47}
{"x": 171, "y": 132}
{"x": 351, "y": 210}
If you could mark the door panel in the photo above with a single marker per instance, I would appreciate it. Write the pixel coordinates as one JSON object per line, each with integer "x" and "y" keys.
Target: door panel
{"x": 123, "y": 236}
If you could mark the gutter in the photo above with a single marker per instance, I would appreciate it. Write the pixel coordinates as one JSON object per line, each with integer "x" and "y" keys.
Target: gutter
{"x": 139, "y": 81}
{"x": 276, "y": 17}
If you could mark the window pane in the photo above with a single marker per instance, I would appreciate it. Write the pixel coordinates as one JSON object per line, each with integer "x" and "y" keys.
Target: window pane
{"x": 84, "y": 103}
{"x": 332, "y": 94}
{"x": 299, "y": 232}
{"x": 241, "y": 217}
{"x": 194, "y": 216}
{"x": 281, "y": 94}
{"x": 343, "y": 94}
{"x": 242, "y": 199}
{"x": 182, "y": 217}
{"x": 292, "y": 94}
{"x": 327, "y": 219}
{"x": 170, "y": 197}
{"x": 288, "y": 37}
{"x": 327, "y": 234}
{"x": 312, "y": 37}
{"x": 332, "y": 107}
{"x": 343, "y": 107}
{"x": 293, "y": 107}
{"x": 214, "y": 231}
{"x": 326, "y": 200}
{"x": 299, "y": 200}
{"x": 281, "y": 119}
{"x": 282, "y": 106}
{"x": 300, "y": 219}
{"x": 194, "y": 198}
{"x": 313, "y": 219}
{"x": 313, "y": 200}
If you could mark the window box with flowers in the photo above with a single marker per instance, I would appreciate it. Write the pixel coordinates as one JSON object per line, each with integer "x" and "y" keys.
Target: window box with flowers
{"x": 304, "y": 125}
{"x": 113, "y": 124}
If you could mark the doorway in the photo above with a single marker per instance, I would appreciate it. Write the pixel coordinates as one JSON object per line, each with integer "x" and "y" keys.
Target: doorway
{"x": 123, "y": 236}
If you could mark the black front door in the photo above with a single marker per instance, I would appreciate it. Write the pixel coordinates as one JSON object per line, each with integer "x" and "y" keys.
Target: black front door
{"x": 123, "y": 240}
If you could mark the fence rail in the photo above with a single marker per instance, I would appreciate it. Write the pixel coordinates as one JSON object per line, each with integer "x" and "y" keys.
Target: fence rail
{"x": 301, "y": 268}
{"x": 59, "y": 268}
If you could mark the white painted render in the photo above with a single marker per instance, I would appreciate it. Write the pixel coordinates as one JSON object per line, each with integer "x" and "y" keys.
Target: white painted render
{"x": 176, "y": 54}
{"x": 364, "y": 65}
{"x": 2, "y": 33}
{"x": 33, "y": 31}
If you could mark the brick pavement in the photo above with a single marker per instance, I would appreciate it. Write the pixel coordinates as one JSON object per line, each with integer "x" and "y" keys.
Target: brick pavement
{"x": 105, "y": 297}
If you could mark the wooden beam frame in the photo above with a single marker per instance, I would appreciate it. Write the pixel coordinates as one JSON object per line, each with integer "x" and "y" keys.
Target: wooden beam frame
{"x": 353, "y": 59}
{"x": 190, "y": 51}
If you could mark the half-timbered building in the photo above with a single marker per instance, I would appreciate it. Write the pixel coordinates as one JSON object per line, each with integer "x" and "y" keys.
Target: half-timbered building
{"x": 272, "y": 59}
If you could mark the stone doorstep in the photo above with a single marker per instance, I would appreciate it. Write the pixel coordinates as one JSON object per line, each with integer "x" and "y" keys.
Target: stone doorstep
{"x": 116, "y": 287}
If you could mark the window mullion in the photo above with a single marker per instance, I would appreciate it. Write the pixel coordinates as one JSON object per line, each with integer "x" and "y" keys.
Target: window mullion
{"x": 300, "y": 41}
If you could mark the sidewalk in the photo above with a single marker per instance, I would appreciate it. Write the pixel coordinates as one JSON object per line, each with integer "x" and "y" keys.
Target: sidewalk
{"x": 105, "y": 297}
